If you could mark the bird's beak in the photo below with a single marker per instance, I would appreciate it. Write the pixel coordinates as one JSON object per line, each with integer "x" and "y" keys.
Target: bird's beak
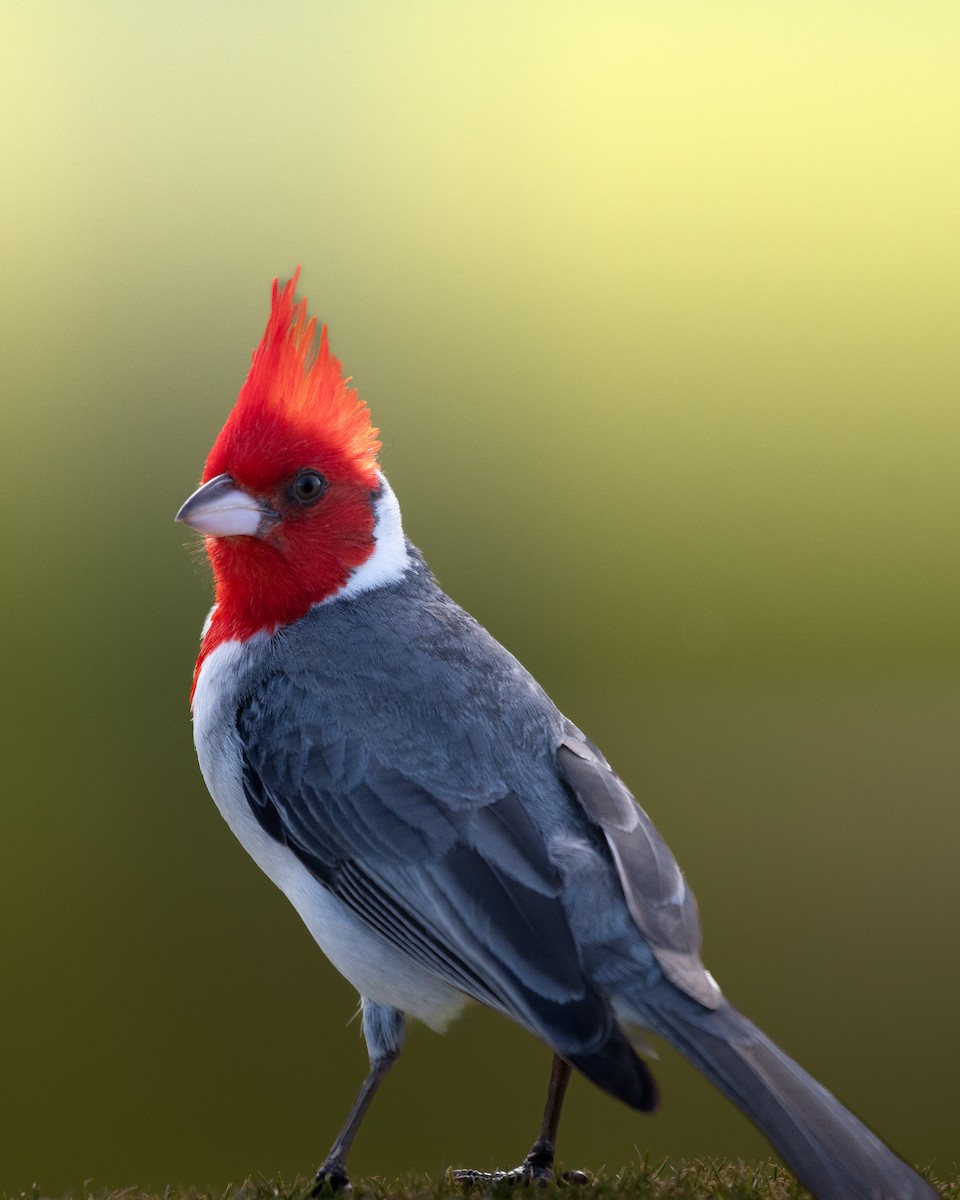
{"x": 222, "y": 509}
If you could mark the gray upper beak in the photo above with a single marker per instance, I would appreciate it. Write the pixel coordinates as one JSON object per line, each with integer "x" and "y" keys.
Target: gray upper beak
{"x": 222, "y": 509}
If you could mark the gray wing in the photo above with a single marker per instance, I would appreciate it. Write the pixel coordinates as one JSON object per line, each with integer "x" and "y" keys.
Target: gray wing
{"x": 465, "y": 889}
{"x": 661, "y": 904}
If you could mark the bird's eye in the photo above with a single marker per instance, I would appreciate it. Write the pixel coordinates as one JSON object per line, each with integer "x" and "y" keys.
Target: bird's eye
{"x": 308, "y": 487}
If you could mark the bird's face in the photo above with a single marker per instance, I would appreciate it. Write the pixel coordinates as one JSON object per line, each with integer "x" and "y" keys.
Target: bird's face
{"x": 287, "y": 501}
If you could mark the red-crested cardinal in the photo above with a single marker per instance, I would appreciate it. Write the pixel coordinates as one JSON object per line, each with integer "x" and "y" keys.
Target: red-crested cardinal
{"x": 446, "y": 834}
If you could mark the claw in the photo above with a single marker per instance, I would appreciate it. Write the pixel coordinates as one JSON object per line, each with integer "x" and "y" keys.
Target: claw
{"x": 526, "y": 1174}
{"x": 332, "y": 1179}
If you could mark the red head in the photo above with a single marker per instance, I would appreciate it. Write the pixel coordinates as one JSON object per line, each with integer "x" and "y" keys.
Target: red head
{"x": 289, "y": 486}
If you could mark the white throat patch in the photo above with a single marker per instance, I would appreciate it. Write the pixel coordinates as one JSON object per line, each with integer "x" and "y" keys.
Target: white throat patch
{"x": 389, "y": 560}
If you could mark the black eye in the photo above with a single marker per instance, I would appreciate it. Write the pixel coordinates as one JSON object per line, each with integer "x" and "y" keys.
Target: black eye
{"x": 308, "y": 487}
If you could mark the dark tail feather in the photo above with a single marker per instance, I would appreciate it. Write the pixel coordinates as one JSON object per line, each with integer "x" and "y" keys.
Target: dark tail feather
{"x": 829, "y": 1150}
{"x": 617, "y": 1069}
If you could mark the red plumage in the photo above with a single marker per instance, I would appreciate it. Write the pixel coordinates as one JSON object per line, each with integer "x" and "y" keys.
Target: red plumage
{"x": 295, "y": 410}
{"x": 295, "y": 405}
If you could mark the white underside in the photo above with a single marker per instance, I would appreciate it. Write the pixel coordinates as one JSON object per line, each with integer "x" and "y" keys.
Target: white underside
{"x": 375, "y": 968}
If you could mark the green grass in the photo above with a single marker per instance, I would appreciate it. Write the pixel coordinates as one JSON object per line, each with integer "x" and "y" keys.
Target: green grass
{"x": 647, "y": 1180}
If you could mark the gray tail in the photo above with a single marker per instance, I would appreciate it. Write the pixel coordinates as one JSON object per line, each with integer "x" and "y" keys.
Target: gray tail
{"x": 828, "y": 1149}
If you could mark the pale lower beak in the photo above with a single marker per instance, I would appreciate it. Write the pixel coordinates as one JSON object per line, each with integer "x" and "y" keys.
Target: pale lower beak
{"x": 222, "y": 509}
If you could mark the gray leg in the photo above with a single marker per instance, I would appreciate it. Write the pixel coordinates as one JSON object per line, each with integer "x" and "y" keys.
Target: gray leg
{"x": 539, "y": 1162}
{"x": 383, "y": 1029}
{"x": 537, "y": 1167}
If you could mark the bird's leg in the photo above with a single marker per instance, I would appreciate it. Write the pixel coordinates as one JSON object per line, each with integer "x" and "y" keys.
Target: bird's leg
{"x": 539, "y": 1162}
{"x": 333, "y": 1172}
{"x": 383, "y": 1030}
{"x": 537, "y": 1167}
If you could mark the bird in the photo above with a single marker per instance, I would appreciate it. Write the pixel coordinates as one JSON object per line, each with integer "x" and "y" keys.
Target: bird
{"x": 446, "y": 834}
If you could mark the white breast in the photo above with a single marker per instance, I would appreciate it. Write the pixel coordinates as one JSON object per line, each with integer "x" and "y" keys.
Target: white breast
{"x": 376, "y": 968}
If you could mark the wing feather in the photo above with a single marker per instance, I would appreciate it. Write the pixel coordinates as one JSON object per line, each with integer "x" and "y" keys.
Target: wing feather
{"x": 468, "y": 891}
{"x": 661, "y": 904}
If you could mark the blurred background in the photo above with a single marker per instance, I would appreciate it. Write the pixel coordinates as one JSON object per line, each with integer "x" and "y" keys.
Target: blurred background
{"x": 657, "y": 308}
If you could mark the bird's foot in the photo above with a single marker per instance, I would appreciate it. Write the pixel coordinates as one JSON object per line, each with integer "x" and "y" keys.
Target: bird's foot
{"x": 522, "y": 1174}
{"x": 331, "y": 1178}
{"x": 530, "y": 1172}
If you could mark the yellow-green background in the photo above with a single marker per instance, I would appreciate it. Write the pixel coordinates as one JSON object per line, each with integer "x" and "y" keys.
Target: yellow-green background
{"x": 657, "y": 305}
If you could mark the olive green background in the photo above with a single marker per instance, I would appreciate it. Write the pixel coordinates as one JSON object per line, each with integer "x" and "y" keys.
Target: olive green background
{"x": 657, "y": 306}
